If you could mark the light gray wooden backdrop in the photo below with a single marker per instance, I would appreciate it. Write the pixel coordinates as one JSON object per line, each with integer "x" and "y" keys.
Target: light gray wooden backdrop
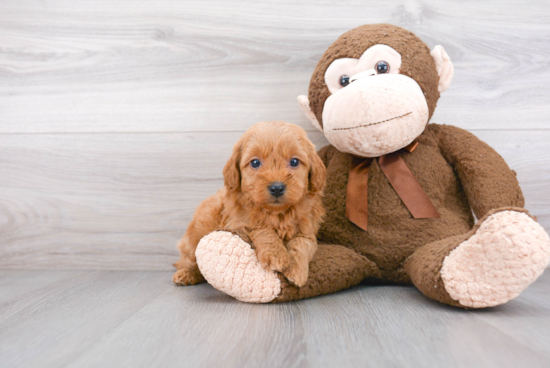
{"x": 116, "y": 116}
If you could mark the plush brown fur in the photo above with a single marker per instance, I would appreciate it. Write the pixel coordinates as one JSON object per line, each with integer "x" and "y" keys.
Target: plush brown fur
{"x": 393, "y": 233}
{"x": 283, "y": 229}
{"x": 394, "y": 236}
{"x": 458, "y": 172}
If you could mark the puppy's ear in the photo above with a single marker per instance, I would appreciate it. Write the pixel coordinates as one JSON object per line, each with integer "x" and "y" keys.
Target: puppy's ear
{"x": 317, "y": 171}
{"x": 232, "y": 170}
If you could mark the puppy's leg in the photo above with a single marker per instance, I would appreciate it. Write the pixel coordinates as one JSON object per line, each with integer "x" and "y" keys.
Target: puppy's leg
{"x": 301, "y": 250}
{"x": 270, "y": 249}
{"x": 188, "y": 272}
{"x": 206, "y": 219}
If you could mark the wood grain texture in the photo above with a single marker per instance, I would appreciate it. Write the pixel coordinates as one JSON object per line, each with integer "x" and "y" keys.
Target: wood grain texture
{"x": 112, "y": 66}
{"x": 139, "y": 319}
{"x": 121, "y": 201}
{"x": 104, "y": 201}
{"x": 71, "y": 316}
{"x": 116, "y": 118}
{"x": 19, "y": 290}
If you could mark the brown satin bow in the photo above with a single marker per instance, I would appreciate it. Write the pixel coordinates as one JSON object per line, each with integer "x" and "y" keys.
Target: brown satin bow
{"x": 401, "y": 179}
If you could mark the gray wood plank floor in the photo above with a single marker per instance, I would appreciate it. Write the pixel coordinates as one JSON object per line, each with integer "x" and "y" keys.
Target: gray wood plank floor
{"x": 139, "y": 319}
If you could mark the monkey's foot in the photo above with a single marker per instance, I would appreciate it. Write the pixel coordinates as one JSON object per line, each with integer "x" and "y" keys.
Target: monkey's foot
{"x": 506, "y": 254}
{"x": 230, "y": 265}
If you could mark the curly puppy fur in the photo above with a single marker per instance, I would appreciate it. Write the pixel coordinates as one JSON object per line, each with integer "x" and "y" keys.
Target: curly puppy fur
{"x": 282, "y": 229}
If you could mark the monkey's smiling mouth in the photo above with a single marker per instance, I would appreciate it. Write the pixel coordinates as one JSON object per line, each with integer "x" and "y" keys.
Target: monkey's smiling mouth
{"x": 371, "y": 124}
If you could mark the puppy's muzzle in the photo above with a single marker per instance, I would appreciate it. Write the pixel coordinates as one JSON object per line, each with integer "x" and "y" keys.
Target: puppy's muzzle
{"x": 276, "y": 189}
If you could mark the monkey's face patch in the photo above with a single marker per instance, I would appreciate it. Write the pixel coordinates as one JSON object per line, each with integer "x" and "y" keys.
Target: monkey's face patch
{"x": 375, "y": 89}
{"x": 372, "y": 110}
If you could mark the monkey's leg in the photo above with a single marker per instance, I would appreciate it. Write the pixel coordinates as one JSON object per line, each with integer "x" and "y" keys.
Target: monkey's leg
{"x": 230, "y": 265}
{"x": 333, "y": 268}
{"x": 490, "y": 265}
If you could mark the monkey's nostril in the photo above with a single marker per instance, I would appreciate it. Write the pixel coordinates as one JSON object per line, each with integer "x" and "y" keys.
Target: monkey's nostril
{"x": 276, "y": 189}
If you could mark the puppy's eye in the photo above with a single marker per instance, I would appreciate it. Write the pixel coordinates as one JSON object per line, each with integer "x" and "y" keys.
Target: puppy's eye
{"x": 294, "y": 162}
{"x": 344, "y": 80}
{"x": 255, "y": 163}
{"x": 382, "y": 67}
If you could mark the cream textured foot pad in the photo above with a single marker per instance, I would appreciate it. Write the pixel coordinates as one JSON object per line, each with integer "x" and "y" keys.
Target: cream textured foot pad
{"x": 506, "y": 254}
{"x": 230, "y": 265}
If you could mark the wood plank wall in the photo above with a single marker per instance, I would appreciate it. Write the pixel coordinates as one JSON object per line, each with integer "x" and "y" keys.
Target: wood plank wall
{"x": 116, "y": 117}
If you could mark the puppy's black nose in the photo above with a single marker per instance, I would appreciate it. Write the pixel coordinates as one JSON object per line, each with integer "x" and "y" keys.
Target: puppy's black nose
{"x": 277, "y": 189}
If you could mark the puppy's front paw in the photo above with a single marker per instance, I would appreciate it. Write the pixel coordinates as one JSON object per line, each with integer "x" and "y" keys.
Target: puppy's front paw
{"x": 276, "y": 259}
{"x": 297, "y": 273}
{"x": 186, "y": 277}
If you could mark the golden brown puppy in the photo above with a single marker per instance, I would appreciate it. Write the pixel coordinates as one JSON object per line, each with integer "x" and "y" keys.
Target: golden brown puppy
{"x": 271, "y": 198}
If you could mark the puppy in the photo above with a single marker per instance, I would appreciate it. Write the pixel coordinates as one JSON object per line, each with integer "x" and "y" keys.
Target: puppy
{"x": 271, "y": 198}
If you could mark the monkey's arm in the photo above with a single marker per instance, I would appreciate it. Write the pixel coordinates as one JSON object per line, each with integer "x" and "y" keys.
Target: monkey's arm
{"x": 486, "y": 178}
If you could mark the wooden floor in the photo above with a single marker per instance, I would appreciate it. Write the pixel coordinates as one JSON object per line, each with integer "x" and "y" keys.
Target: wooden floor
{"x": 139, "y": 319}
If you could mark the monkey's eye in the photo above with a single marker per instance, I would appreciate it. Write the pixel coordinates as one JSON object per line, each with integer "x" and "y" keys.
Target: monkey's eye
{"x": 382, "y": 67}
{"x": 344, "y": 80}
{"x": 294, "y": 162}
{"x": 255, "y": 163}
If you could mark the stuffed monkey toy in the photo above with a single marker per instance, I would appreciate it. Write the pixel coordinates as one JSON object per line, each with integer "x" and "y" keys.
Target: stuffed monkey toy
{"x": 401, "y": 194}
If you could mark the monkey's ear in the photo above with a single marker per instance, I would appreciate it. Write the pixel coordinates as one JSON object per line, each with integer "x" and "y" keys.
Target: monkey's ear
{"x": 304, "y": 104}
{"x": 444, "y": 67}
{"x": 232, "y": 170}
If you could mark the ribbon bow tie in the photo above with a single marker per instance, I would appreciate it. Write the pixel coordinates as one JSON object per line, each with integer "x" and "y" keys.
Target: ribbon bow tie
{"x": 401, "y": 179}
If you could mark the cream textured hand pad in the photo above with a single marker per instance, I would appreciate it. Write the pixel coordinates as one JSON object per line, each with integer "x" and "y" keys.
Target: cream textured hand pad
{"x": 507, "y": 253}
{"x": 230, "y": 265}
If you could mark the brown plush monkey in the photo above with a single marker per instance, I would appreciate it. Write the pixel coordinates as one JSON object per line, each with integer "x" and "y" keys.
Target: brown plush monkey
{"x": 400, "y": 193}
